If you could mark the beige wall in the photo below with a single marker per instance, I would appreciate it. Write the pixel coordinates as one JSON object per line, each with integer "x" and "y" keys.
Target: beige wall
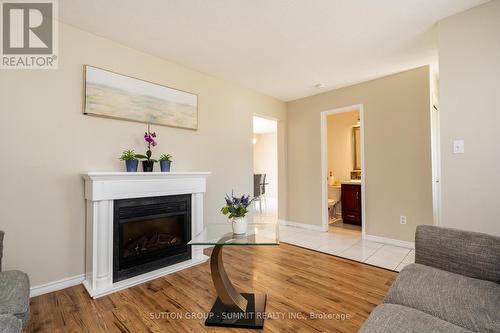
{"x": 397, "y": 152}
{"x": 265, "y": 160}
{"x": 469, "y": 56}
{"x": 47, "y": 143}
{"x": 340, "y": 144}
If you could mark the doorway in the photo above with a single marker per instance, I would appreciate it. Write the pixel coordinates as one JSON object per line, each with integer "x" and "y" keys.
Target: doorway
{"x": 342, "y": 169}
{"x": 265, "y": 169}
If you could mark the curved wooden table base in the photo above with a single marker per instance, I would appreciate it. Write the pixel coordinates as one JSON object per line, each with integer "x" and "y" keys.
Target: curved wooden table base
{"x": 231, "y": 308}
{"x": 228, "y": 295}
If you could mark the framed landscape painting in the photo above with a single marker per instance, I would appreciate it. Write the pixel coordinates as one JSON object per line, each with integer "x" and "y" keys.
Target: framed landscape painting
{"x": 108, "y": 94}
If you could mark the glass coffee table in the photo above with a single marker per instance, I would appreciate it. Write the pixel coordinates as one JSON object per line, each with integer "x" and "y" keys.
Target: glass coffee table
{"x": 232, "y": 309}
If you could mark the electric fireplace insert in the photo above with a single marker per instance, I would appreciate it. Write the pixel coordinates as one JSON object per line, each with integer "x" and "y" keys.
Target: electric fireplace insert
{"x": 150, "y": 233}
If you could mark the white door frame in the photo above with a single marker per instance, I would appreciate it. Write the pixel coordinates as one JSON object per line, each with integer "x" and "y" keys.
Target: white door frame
{"x": 436, "y": 165}
{"x": 324, "y": 163}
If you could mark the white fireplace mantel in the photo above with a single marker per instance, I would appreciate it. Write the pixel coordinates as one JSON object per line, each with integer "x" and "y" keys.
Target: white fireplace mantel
{"x": 101, "y": 189}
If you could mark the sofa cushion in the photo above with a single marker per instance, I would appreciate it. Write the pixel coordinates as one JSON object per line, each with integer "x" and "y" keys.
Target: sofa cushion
{"x": 468, "y": 253}
{"x": 393, "y": 318}
{"x": 463, "y": 301}
{"x": 14, "y": 294}
{"x": 10, "y": 324}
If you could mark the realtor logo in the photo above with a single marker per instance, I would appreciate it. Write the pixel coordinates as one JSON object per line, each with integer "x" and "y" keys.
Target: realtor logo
{"x": 29, "y": 34}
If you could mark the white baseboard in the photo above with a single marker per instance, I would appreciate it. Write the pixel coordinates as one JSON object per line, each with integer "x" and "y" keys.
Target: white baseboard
{"x": 301, "y": 225}
{"x": 56, "y": 285}
{"x": 390, "y": 241}
{"x": 74, "y": 281}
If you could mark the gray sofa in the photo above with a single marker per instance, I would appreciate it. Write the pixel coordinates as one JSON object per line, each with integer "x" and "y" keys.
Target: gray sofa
{"x": 14, "y": 298}
{"x": 454, "y": 286}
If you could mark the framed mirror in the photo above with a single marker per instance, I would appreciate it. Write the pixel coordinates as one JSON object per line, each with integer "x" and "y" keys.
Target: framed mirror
{"x": 356, "y": 149}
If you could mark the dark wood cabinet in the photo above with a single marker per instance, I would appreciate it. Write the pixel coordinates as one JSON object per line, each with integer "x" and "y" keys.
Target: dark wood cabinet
{"x": 351, "y": 203}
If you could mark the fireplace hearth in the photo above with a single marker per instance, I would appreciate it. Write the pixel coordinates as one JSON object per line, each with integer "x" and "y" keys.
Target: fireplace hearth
{"x": 150, "y": 233}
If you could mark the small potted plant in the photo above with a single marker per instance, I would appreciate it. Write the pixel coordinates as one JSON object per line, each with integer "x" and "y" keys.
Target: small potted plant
{"x": 130, "y": 159}
{"x": 236, "y": 208}
{"x": 148, "y": 162}
{"x": 165, "y": 162}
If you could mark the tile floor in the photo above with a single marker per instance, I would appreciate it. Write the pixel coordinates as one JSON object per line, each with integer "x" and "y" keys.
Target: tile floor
{"x": 349, "y": 245}
{"x": 341, "y": 242}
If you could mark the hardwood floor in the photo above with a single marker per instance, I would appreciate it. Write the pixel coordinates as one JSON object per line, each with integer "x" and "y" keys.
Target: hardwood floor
{"x": 297, "y": 281}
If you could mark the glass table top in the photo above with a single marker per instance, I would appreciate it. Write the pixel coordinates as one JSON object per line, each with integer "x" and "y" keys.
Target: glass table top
{"x": 257, "y": 234}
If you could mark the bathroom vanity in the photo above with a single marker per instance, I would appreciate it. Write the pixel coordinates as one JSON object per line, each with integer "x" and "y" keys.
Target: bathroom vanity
{"x": 351, "y": 202}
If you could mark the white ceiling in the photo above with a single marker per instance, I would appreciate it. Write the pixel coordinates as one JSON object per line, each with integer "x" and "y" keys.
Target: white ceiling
{"x": 264, "y": 126}
{"x": 279, "y": 47}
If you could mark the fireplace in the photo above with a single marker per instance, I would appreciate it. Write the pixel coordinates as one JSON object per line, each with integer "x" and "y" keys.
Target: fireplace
{"x": 150, "y": 233}
{"x": 138, "y": 225}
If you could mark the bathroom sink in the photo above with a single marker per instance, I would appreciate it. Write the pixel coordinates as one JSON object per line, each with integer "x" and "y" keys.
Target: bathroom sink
{"x": 352, "y": 182}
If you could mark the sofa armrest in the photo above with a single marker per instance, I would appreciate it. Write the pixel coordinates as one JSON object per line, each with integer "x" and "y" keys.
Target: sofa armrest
{"x": 467, "y": 253}
{"x": 1, "y": 248}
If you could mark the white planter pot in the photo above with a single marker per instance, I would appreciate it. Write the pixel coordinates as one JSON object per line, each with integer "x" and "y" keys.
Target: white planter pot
{"x": 239, "y": 225}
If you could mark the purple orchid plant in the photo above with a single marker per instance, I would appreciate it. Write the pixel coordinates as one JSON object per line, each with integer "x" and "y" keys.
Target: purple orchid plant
{"x": 150, "y": 138}
{"x": 236, "y": 207}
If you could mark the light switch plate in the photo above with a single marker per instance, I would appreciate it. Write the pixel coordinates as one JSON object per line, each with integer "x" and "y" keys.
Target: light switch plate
{"x": 458, "y": 147}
